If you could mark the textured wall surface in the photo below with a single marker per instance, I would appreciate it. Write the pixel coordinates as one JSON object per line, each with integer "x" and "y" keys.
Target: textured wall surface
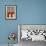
{"x": 33, "y": 27}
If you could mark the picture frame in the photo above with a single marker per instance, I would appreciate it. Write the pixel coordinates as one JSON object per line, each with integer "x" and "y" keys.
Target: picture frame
{"x": 37, "y": 29}
{"x": 10, "y": 12}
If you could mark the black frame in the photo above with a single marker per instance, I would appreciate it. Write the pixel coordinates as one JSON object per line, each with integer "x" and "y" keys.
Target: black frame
{"x": 5, "y": 12}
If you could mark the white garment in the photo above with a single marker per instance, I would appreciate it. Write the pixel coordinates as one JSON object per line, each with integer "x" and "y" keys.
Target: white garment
{"x": 24, "y": 33}
{"x": 37, "y": 37}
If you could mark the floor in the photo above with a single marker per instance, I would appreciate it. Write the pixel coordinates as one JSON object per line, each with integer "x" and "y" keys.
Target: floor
{"x": 7, "y": 45}
{"x": 30, "y": 43}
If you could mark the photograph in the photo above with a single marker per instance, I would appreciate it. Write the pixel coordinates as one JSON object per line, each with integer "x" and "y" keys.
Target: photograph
{"x": 10, "y": 12}
{"x": 30, "y": 33}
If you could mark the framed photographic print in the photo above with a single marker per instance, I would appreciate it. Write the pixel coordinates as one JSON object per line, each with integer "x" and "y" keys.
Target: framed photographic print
{"x": 10, "y": 12}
